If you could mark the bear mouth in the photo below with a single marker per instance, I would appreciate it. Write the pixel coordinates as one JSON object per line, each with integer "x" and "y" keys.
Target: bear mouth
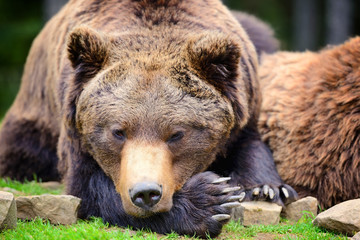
{"x": 146, "y": 213}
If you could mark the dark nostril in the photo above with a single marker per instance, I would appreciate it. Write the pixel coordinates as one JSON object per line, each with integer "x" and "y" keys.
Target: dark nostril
{"x": 146, "y": 194}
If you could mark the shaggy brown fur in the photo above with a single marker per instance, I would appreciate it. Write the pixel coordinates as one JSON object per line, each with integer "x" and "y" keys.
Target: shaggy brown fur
{"x": 310, "y": 118}
{"x": 135, "y": 100}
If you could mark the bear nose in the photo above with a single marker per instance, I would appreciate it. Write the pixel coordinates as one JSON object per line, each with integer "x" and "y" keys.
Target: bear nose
{"x": 146, "y": 194}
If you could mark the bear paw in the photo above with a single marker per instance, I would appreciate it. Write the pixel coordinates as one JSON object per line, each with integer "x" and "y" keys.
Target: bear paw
{"x": 207, "y": 200}
{"x": 282, "y": 195}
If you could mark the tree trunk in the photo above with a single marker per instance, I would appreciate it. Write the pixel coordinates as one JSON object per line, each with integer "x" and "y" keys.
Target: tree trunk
{"x": 339, "y": 19}
{"x": 51, "y": 7}
{"x": 305, "y": 24}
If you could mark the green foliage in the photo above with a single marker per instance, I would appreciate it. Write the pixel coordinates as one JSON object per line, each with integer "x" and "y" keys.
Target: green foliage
{"x": 303, "y": 229}
{"x": 96, "y": 229}
{"x": 277, "y": 13}
{"x": 20, "y": 22}
{"x": 93, "y": 229}
{"x": 27, "y": 188}
{"x": 9, "y": 85}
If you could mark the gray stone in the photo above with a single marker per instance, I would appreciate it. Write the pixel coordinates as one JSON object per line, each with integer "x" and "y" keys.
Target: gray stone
{"x": 11, "y": 190}
{"x": 343, "y": 217}
{"x": 356, "y": 236}
{"x": 59, "y": 209}
{"x": 255, "y": 213}
{"x": 295, "y": 210}
{"x": 7, "y": 211}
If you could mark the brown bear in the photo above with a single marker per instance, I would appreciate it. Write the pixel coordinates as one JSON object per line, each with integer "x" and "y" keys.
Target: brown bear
{"x": 144, "y": 106}
{"x": 310, "y": 118}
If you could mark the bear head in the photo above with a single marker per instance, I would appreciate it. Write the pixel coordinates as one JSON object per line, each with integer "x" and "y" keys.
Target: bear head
{"x": 152, "y": 111}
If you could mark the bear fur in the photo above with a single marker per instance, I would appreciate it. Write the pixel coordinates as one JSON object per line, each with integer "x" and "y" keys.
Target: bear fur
{"x": 139, "y": 106}
{"x": 310, "y": 119}
{"x": 260, "y": 33}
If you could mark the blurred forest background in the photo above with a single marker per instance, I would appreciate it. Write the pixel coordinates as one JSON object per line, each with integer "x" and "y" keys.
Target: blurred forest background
{"x": 299, "y": 24}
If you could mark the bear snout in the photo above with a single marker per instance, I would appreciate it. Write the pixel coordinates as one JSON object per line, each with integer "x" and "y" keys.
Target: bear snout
{"x": 146, "y": 194}
{"x": 146, "y": 179}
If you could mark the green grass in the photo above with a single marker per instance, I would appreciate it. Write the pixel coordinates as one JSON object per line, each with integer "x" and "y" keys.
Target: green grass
{"x": 303, "y": 229}
{"x": 93, "y": 229}
{"x": 27, "y": 188}
{"x": 96, "y": 229}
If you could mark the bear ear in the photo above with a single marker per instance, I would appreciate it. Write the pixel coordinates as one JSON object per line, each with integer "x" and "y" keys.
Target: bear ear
{"x": 87, "y": 51}
{"x": 215, "y": 57}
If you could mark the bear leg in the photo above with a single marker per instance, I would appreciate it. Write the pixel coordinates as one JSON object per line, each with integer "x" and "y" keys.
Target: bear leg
{"x": 256, "y": 172}
{"x": 27, "y": 150}
{"x": 250, "y": 165}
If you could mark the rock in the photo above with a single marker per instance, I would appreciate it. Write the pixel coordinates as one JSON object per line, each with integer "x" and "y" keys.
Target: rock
{"x": 343, "y": 217}
{"x": 295, "y": 210}
{"x": 251, "y": 213}
{"x": 11, "y": 190}
{"x": 356, "y": 236}
{"x": 59, "y": 209}
{"x": 7, "y": 211}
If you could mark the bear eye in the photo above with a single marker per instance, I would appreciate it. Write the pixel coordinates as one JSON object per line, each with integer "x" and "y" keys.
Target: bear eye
{"x": 175, "y": 137}
{"x": 119, "y": 134}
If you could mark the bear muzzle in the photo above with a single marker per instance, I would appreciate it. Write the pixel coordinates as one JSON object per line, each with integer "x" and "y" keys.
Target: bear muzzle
{"x": 146, "y": 194}
{"x": 146, "y": 181}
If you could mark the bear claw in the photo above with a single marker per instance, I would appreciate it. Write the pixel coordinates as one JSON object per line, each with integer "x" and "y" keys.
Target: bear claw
{"x": 221, "y": 180}
{"x": 266, "y": 189}
{"x": 256, "y": 191}
{"x": 237, "y": 197}
{"x": 281, "y": 195}
{"x": 231, "y": 189}
{"x": 271, "y": 193}
{"x": 286, "y": 192}
{"x": 242, "y": 196}
{"x": 230, "y": 205}
{"x": 221, "y": 217}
